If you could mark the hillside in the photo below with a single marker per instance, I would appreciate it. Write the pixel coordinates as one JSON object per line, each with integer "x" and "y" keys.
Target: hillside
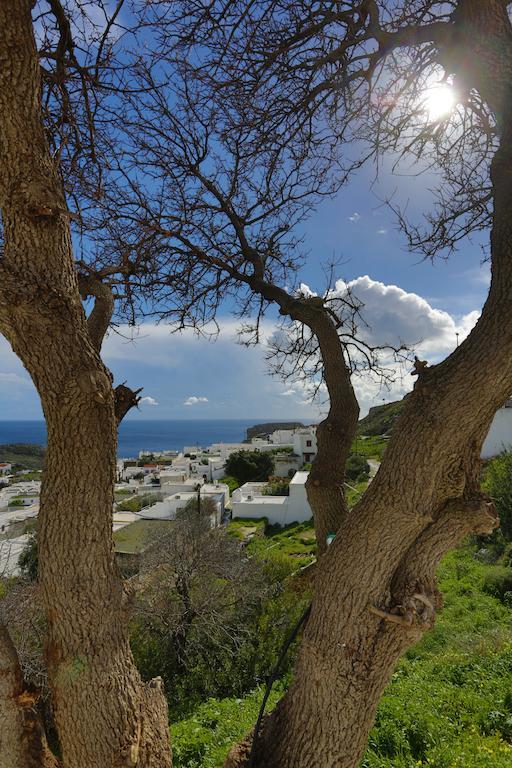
{"x": 263, "y": 430}
{"x": 380, "y": 419}
{"x": 448, "y": 704}
{"x": 22, "y": 455}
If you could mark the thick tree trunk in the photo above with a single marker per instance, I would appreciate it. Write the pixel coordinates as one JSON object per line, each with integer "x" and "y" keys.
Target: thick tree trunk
{"x": 105, "y": 716}
{"x": 375, "y": 590}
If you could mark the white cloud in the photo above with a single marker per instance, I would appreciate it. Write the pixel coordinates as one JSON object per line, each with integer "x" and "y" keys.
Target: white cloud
{"x": 148, "y": 400}
{"x": 355, "y": 216}
{"x": 394, "y": 316}
{"x": 382, "y": 231}
{"x": 195, "y": 400}
{"x": 288, "y": 393}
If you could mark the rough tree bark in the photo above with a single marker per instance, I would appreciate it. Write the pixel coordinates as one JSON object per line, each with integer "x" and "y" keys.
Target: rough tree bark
{"x": 105, "y": 716}
{"x": 375, "y": 587}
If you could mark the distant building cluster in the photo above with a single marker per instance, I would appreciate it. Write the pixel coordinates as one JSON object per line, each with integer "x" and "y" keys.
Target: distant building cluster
{"x": 157, "y": 485}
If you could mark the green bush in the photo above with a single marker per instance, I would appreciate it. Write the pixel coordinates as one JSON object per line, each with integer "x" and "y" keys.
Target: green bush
{"x": 250, "y": 466}
{"x": 498, "y": 582}
{"x": 357, "y": 468}
{"x": 497, "y": 482}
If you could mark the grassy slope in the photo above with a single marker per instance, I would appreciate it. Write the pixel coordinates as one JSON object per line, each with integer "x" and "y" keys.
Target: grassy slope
{"x": 133, "y": 537}
{"x": 449, "y": 704}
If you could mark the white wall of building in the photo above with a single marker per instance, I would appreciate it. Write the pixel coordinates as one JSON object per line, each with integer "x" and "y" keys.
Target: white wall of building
{"x": 304, "y": 443}
{"x": 499, "y": 437}
{"x": 249, "y": 501}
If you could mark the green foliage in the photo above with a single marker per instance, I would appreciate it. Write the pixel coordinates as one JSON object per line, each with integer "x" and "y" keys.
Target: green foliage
{"x": 356, "y": 468}
{"x": 448, "y": 705}
{"x": 243, "y": 528}
{"x": 203, "y": 739}
{"x": 17, "y": 501}
{"x": 497, "y": 482}
{"x": 370, "y": 447}
{"x": 381, "y": 419}
{"x": 498, "y": 583}
{"x": 231, "y": 482}
{"x": 138, "y": 502}
{"x": 22, "y": 455}
{"x": 277, "y": 488}
{"x": 250, "y": 466}
{"x": 28, "y": 559}
{"x": 295, "y": 541}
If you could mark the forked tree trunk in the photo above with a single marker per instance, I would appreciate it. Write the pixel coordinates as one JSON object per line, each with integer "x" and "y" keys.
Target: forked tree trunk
{"x": 375, "y": 590}
{"x": 105, "y": 716}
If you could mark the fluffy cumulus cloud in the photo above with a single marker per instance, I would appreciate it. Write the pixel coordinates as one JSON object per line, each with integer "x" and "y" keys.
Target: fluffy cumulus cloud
{"x": 148, "y": 401}
{"x": 231, "y": 381}
{"x": 392, "y": 316}
{"x": 193, "y": 400}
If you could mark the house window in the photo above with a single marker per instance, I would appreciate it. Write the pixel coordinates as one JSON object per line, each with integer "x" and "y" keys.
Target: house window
{"x": 308, "y": 443}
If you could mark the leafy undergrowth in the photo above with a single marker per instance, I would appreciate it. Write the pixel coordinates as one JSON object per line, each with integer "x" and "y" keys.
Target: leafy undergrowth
{"x": 448, "y": 705}
{"x": 295, "y": 541}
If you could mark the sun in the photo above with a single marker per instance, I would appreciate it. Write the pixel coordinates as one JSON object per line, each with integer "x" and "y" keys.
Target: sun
{"x": 438, "y": 101}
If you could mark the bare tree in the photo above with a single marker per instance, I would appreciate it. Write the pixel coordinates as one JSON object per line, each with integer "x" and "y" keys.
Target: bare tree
{"x": 197, "y": 588}
{"x": 305, "y": 76}
{"x": 50, "y": 135}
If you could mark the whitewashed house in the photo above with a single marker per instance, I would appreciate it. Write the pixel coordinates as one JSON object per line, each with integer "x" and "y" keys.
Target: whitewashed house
{"x": 167, "y": 508}
{"x": 304, "y": 443}
{"x": 250, "y": 501}
{"x": 5, "y": 468}
{"x": 499, "y": 437}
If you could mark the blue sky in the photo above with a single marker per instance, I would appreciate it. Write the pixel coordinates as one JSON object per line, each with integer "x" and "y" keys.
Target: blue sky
{"x": 405, "y": 299}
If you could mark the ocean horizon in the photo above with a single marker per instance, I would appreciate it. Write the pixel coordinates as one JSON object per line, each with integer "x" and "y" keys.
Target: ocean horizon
{"x": 148, "y": 434}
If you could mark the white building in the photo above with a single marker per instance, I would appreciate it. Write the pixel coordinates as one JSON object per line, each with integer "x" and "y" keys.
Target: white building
{"x": 250, "y": 501}
{"x": 282, "y": 437}
{"x": 284, "y": 463}
{"x": 499, "y": 437}
{"x": 304, "y": 443}
{"x": 5, "y": 468}
{"x": 167, "y": 508}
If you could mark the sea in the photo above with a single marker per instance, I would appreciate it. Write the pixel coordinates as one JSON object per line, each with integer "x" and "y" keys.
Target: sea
{"x": 146, "y": 435}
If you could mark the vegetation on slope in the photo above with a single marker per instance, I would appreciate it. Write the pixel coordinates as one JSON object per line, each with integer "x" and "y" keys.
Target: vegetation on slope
{"x": 381, "y": 419}
{"x": 22, "y": 455}
{"x": 449, "y": 703}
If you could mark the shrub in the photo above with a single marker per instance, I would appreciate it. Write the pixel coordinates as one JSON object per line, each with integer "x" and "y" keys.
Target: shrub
{"x": 498, "y": 482}
{"x": 498, "y": 582}
{"x": 250, "y": 466}
{"x": 357, "y": 468}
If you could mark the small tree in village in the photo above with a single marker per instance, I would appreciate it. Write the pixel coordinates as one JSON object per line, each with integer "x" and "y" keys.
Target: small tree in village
{"x": 183, "y": 195}
{"x": 250, "y": 466}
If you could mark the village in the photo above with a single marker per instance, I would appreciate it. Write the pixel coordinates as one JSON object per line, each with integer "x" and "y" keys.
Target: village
{"x": 154, "y": 487}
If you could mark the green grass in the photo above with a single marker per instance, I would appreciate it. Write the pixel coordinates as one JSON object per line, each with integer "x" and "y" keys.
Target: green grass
{"x": 137, "y": 502}
{"x": 448, "y": 705}
{"x": 204, "y": 739}
{"x": 134, "y": 537}
{"x": 123, "y": 493}
{"x": 370, "y": 447}
{"x": 244, "y": 528}
{"x": 27, "y": 476}
{"x": 296, "y": 541}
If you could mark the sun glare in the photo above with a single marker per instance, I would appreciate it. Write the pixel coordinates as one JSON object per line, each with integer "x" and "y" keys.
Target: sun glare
{"x": 438, "y": 101}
